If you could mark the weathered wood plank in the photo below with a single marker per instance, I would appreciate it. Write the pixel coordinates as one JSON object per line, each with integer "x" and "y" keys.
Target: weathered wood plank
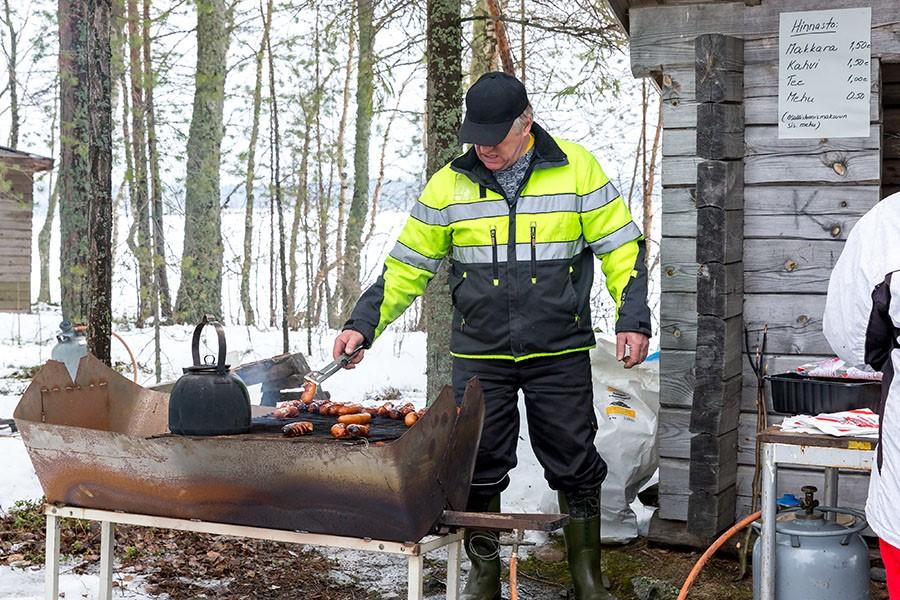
{"x": 891, "y": 171}
{"x": 713, "y": 462}
{"x": 679, "y": 265}
{"x": 717, "y": 404}
{"x": 719, "y": 347}
{"x": 679, "y": 171}
{"x": 861, "y": 166}
{"x": 720, "y": 184}
{"x": 679, "y": 213}
{"x": 709, "y": 514}
{"x": 720, "y": 289}
{"x": 720, "y": 131}
{"x": 672, "y": 507}
{"x": 664, "y": 35}
{"x": 760, "y": 96}
{"x": 674, "y": 475}
{"x": 795, "y": 322}
{"x": 747, "y": 436}
{"x": 676, "y": 378}
{"x": 805, "y": 212}
{"x": 673, "y": 434}
{"x": 720, "y": 235}
{"x": 789, "y": 266}
{"x": 763, "y": 140}
{"x": 678, "y": 321}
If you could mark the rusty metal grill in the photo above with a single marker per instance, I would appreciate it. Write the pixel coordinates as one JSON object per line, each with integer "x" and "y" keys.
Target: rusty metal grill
{"x": 99, "y": 442}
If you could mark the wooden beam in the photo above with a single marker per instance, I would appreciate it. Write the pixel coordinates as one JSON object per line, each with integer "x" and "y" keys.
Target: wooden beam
{"x": 678, "y": 321}
{"x": 719, "y": 346}
{"x": 711, "y": 513}
{"x": 720, "y": 289}
{"x": 676, "y": 378}
{"x": 720, "y": 130}
{"x": 713, "y": 462}
{"x": 679, "y": 264}
{"x": 717, "y": 405}
{"x": 720, "y": 235}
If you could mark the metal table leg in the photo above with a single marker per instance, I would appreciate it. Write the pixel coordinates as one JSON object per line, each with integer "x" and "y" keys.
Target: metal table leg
{"x": 453, "y": 555}
{"x": 769, "y": 484}
{"x": 107, "y": 556}
{"x": 416, "y": 581}
{"x": 51, "y": 559}
{"x": 831, "y": 490}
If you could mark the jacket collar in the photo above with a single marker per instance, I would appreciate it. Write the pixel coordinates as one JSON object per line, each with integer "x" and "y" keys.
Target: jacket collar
{"x": 547, "y": 154}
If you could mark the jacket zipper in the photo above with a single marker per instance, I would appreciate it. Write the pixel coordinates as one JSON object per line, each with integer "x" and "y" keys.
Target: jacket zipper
{"x": 495, "y": 265}
{"x": 533, "y": 252}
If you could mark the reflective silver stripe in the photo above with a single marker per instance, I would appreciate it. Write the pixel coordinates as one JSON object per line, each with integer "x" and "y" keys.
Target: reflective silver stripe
{"x": 407, "y": 255}
{"x": 621, "y": 236}
{"x": 550, "y": 250}
{"x": 600, "y": 197}
{"x": 428, "y": 215}
{"x": 475, "y": 210}
{"x": 548, "y": 204}
{"x": 546, "y": 251}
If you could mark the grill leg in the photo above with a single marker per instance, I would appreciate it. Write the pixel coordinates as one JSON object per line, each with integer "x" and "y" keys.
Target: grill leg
{"x": 107, "y": 556}
{"x": 453, "y": 552}
{"x": 767, "y": 541}
{"x": 831, "y": 490}
{"x": 51, "y": 559}
{"x": 416, "y": 577}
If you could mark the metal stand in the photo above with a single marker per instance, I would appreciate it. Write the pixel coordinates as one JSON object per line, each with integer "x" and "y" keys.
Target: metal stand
{"x": 414, "y": 552}
{"x": 832, "y": 453}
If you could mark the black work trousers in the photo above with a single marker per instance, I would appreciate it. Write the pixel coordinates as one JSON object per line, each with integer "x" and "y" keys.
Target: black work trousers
{"x": 561, "y": 421}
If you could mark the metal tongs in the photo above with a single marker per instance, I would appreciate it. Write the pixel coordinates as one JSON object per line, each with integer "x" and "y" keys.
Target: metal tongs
{"x": 317, "y": 377}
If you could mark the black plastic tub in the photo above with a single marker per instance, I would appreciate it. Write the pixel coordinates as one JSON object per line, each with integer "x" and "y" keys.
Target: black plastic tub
{"x": 798, "y": 394}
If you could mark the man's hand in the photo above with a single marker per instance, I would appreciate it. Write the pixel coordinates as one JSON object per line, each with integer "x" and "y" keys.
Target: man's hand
{"x": 347, "y": 342}
{"x": 637, "y": 344}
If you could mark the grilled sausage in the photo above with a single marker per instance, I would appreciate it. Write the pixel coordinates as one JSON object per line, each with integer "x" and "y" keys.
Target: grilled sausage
{"x": 371, "y": 411}
{"x": 297, "y": 429}
{"x": 358, "y": 430}
{"x": 355, "y": 419}
{"x": 421, "y": 412}
{"x": 349, "y": 409}
{"x": 309, "y": 392}
{"x": 314, "y": 407}
{"x": 393, "y": 414}
{"x": 286, "y": 412}
{"x": 324, "y": 407}
{"x": 339, "y": 431}
{"x": 410, "y": 419}
{"x": 296, "y": 403}
{"x": 384, "y": 408}
{"x": 406, "y": 409}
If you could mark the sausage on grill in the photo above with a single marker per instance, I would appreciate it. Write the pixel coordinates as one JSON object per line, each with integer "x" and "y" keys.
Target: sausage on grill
{"x": 297, "y": 429}
{"x": 407, "y": 408}
{"x": 384, "y": 408}
{"x": 286, "y": 412}
{"x": 339, "y": 431}
{"x": 358, "y": 430}
{"x": 410, "y": 419}
{"x": 349, "y": 409}
{"x": 309, "y": 392}
{"x": 355, "y": 419}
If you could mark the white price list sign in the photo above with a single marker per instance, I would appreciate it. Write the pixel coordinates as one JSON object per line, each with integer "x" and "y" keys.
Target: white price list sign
{"x": 824, "y": 73}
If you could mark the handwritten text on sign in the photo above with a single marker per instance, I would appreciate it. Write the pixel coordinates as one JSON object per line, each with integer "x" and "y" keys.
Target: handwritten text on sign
{"x": 824, "y": 72}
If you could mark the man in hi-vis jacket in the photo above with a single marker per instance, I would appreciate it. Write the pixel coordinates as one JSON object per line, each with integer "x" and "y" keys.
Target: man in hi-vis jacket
{"x": 521, "y": 216}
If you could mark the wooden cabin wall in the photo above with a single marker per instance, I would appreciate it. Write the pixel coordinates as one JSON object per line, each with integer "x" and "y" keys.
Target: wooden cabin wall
{"x": 15, "y": 239}
{"x": 801, "y": 198}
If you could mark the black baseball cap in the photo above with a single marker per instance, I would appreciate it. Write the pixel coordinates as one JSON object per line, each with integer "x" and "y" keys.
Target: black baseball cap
{"x": 492, "y": 104}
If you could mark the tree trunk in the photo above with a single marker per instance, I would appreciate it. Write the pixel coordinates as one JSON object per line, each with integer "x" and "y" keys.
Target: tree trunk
{"x": 11, "y": 65}
{"x": 503, "y": 49}
{"x": 443, "y": 109}
{"x": 484, "y": 42}
{"x": 201, "y": 264}
{"x": 162, "y": 295}
{"x": 249, "y": 316}
{"x": 350, "y": 279}
{"x": 85, "y": 176}
{"x": 276, "y": 155}
{"x": 299, "y": 210}
{"x": 139, "y": 205}
{"x": 47, "y": 228}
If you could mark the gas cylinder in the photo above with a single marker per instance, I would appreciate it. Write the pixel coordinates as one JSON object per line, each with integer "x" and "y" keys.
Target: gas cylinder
{"x": 70, "y": 346}
{"x": 816, "y": 558}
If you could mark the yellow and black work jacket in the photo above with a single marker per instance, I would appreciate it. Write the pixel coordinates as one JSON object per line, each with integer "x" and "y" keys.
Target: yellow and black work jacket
{"x": 521, "y": 268}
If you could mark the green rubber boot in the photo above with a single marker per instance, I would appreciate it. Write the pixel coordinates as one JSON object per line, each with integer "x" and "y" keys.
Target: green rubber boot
{"x": 582, "y": 535}
{"x": 483, "y": 550}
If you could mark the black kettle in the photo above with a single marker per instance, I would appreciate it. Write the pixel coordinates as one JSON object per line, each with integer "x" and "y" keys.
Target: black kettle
{"x": 208, "y": 399}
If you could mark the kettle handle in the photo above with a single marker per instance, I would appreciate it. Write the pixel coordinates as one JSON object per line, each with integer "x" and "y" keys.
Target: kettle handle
{"x": 220, "y": 333}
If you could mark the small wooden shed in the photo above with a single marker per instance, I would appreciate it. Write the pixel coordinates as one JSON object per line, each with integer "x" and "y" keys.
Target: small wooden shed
{"x": 17, "y": 171}
{"x": 752, "y": 225}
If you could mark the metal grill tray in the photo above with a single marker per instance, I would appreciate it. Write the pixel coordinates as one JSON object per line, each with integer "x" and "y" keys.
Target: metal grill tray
{"x": 99, "y": 442}
{"x": 381, "y": 429}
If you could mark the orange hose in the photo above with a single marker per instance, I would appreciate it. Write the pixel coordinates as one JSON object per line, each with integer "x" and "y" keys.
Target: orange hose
{"x": 712, "y": 550}
{"x": 513, "y": 592}
{"x": 134, "y": 365}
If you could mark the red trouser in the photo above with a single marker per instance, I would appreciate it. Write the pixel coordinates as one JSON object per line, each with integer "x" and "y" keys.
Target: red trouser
{"x": 890, "y": 556}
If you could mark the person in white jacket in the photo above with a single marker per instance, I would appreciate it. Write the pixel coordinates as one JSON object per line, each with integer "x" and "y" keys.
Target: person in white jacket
{"x": 862, "y": 324}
